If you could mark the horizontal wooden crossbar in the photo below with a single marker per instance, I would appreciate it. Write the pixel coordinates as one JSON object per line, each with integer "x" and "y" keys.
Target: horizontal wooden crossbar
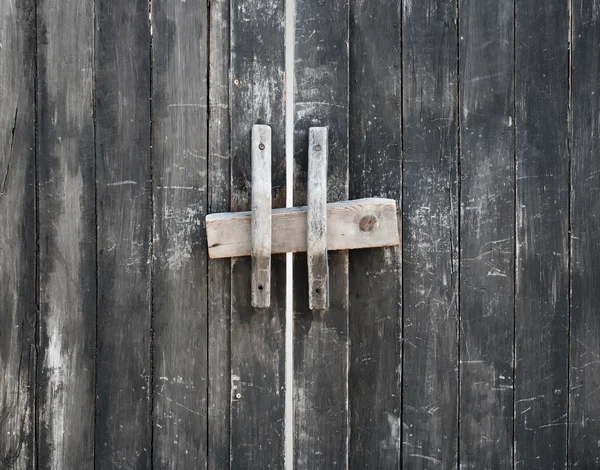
{"x": 361, "y": 223}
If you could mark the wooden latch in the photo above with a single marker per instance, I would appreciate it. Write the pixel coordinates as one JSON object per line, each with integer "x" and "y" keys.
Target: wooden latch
{"x": 315, "y": 229}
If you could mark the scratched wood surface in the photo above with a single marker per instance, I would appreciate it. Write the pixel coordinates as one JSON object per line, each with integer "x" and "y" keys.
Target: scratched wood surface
{"x": 486, "y": 233}
{"x": 375, "y": 275}
{"x": 430, "y": 235}
{"x": 584, "y": 366}
{"x": 320, "y": 355}
{"x": 473, "y": 344}
{"x": 67, "y": 235}
{"x": 179, "y": 176}
{"x": 541, "y": 377}
{"x": 124, "y": 236}
{"x": 17, "y": 234}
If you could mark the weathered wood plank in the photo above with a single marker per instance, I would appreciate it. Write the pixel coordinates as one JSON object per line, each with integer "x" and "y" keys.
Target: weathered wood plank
{"x": 486, "y": 233}
{"x": 261, "y": 216}
{"x": 361, "y": 223}
{"x": 320, "y": 345}
{"x": 179, "y": 136}
{"x": 124, "y": 221}
{"x": 430, "y": 229}
{"x": 17, "y": 233}
{"x": 541, "y": 265}
{"x": 219, "y": 271}
{"x": 316, "y": 219}
{"x": 67, "y": 234}
{"x": 375, "y": 275}
{"x": 584, "y": 406}
{"x": 257, "y": 336}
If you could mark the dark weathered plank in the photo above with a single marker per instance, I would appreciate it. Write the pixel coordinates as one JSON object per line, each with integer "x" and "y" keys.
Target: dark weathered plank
{"x": 219, "y": 272}
{"x": 430, "y": 229}
{"x": 541, "y": 265}
{"x": 67, "y": 233}
{"x": 584, "y": 409}
{"x": 124, "y": 218}
{"x": 179, "y": 143}
{"x": 321, "y": 337}
{"x": 486, "y": 233}
{"x": 257, "y": 335}
{"x": 17, "y": 233}
{"x": 376, "y": 274}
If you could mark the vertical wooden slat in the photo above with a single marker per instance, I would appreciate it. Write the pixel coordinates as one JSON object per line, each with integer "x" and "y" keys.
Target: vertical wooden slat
{"x": 375, "y": 275}
{"x": 430, "y": 229}
{"x": 486, "y": 233}
{"x": 257, "y": 336}
{"x": 219, "y": 272}
{"x": 320, "y": 352}
{"x": 179, "y": 142}
{"x": 124, "y": 218}
{"x": 17, "y": 233}
{"x": 316, "y": 219}
{"x": 584, "y": 416}
{"x": 261, "y": 216}
{"x": 67, "y": 233}
{"x": 542, "y": 200}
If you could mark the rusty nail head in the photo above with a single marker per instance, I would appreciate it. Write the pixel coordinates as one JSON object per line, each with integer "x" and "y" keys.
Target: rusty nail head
{"x": 367, "y": 223}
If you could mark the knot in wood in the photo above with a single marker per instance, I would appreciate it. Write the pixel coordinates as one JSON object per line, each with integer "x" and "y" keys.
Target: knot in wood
{"x": 367, "y": 223}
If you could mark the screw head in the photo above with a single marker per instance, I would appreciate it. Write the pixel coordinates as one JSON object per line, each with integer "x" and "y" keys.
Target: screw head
{"x": 317, "y": 148}
{"x": 261, "y": 146}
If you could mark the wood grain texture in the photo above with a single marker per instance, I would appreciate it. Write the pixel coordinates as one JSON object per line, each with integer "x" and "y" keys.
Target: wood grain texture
{"x": 67, "y": 234}
{"x": 219, "y": 271}
{"x": 376, "y": 275}
{"x": 486, "y": 233}
{"x": 584, "y": 406}
{"x": 542, "y": 200}
{"x": 260, "y": 225}
{"x": 124, "y": 221}
{"x": 360, "y": 223}
{"x": 257, "y": 336}
{"x": 430, "y": 235}
{"x": 320, "y": 349}
{"x": 17, "y": 234}
{"x": 179, "y": 136}
{"x": 316, "y": 219}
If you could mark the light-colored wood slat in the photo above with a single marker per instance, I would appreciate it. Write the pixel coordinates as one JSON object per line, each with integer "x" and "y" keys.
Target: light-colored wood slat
{"x": 261, "y": 216}
{"x": 362, "y": 223}
{"x": 317, "y": 219}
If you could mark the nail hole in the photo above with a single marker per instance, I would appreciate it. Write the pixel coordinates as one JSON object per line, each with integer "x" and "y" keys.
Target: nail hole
{"x": 317, "y": 148}
{"x": 317, "y": 290}
{"x": 260, "y": 287}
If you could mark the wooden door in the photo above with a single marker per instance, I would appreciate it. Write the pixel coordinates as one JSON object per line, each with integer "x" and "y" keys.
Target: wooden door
{"x": 473, "y": 344}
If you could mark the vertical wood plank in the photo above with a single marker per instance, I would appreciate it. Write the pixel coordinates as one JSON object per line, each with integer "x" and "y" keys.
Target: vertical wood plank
{"x": 67, "y": 233}
{"x": 124, "y": 219}
{"x": 17, "y": 233}
{"x": 320, "y": 346}
{"x": 179, "y": 142}
{"x": 219, "y": 271}
{"x": 486, "y": 233}
{"x": 541, "y": 283}
{"x": 376, "y": 274}
{"x": 584, "y": 414}
{"x": 257, "y": 336}
{"x": 316, "y": 218}
{"x": 261, "y": 216}
{"x": 430, "y": 229}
